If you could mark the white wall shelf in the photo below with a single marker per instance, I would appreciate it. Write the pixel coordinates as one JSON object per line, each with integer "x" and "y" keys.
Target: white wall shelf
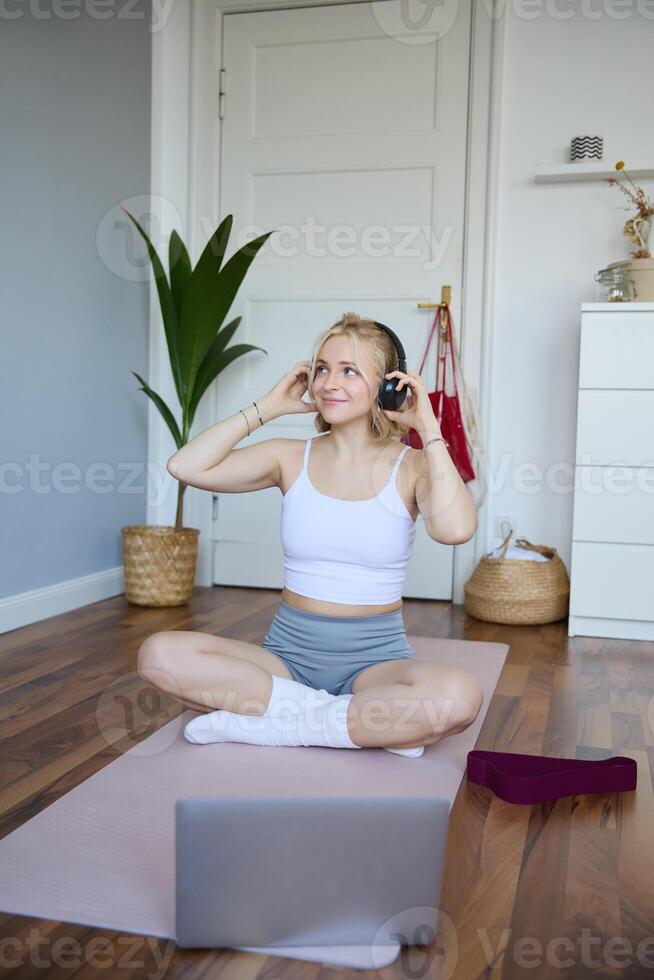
{"x": 584, "y": 170}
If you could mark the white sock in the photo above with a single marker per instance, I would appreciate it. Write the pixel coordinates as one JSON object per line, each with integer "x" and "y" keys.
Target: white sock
{"x": 287, "y": 697}
{"x": 414, "y": 753}
{"x": 323, "y": 723}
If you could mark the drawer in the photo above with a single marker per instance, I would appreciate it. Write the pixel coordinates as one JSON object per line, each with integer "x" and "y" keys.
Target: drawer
{"x": 616, "y": 350}
{"x": 614, "y": 504}
{"x": 615, "y": 427}
{"x": 612, "y": 581}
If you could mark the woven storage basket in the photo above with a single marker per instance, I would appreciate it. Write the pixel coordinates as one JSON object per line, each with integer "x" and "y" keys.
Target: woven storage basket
{"x": 159, "y": 564}
{"x": 516, "y": 591}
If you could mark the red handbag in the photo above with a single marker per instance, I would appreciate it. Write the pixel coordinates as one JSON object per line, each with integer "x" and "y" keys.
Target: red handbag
{"x": 446, "y": 408}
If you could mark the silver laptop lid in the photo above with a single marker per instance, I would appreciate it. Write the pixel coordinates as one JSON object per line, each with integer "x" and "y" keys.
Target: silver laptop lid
{"x": 307, "y": 871}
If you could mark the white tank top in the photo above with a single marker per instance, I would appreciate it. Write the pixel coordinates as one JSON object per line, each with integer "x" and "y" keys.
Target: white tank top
{"x": 347, "y": 551}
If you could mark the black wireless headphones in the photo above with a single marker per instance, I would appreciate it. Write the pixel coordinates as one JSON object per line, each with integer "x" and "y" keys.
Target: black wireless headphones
{"x": 387, "y": 396}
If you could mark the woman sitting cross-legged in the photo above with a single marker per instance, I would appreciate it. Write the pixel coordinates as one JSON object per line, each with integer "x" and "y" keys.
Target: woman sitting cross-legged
{"x": 335, "y": 668}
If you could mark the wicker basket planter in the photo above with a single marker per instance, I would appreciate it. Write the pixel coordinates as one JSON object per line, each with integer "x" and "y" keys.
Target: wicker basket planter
{"x": 160, "y": 560}
{"x": 519, "y": 592}
{"x": 159, "y": 564}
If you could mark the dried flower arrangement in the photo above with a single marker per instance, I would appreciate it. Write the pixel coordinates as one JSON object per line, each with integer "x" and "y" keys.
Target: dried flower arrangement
{"x": 636, "y": 228}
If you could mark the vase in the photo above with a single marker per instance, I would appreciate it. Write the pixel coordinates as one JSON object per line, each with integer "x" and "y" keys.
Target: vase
{"x": 641, "y": 234}
{"x": 586, "y": 148}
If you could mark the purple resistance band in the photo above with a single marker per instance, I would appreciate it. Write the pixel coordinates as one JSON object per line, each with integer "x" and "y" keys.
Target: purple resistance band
{"x": 518, "y": 778}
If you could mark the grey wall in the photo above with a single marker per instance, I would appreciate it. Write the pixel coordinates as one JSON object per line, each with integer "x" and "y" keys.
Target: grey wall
{"x": 75, "y": 109}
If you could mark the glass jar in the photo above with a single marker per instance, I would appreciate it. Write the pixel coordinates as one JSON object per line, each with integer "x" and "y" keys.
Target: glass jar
{"x": 615, "y": 283}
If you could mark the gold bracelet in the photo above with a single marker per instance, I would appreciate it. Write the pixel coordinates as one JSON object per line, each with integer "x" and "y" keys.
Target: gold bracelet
{"x": 246, "y": 418}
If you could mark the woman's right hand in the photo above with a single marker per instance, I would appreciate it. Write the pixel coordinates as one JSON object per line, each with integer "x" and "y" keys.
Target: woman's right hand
{"x": 286, "y": 396}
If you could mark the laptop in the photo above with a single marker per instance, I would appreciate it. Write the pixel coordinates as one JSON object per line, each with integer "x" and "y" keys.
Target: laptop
{"x": 308, "y": 871}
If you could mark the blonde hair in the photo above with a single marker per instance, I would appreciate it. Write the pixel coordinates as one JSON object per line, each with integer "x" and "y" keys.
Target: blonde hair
{"x": 382, "y": 352}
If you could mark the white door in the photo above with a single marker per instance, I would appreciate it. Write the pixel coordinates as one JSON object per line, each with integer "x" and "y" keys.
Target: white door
{"x": 345, "y": 129}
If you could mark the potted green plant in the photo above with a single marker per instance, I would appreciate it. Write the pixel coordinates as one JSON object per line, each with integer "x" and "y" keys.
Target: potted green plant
{"x": 160, "y": 560}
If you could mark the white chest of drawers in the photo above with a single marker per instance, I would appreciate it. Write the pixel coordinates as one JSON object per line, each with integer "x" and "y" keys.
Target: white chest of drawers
{"x": 612, "y": 561}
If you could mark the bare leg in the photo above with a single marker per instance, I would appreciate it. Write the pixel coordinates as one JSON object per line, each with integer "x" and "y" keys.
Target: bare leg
{"x": 430, "y": 702}
{"x": 208, "y": 672}
{"x": 393, "y": 715}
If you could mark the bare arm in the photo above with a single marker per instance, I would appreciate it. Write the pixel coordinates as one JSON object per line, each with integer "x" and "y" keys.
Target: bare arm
{"x": 210, "y": 461}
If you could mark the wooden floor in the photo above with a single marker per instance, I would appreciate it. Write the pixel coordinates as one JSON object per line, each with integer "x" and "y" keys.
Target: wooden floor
{"x": 559, "y": 890}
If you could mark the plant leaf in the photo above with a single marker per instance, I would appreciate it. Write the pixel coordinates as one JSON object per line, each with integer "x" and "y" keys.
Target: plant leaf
{"x": 163, "y": 408}
{"x": 227, "y": 332}
{"x": 179, "y": 265}
{"x": 207, "y": 372}
{"x": 214, "y": 251}
{"x": 215, "y": 362}
{"x": 197, "y": 293}
{"x": 205, "y": 307}
{"x": 168, "y": 311}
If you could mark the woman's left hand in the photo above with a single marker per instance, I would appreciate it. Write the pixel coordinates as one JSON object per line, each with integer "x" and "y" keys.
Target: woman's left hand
{"x": 416, "y": 410}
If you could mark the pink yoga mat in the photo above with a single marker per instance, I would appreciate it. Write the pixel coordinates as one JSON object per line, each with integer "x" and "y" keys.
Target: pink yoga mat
{"x": 103, "y": 854}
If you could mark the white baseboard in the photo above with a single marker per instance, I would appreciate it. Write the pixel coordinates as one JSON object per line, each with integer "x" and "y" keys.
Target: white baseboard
{"x": 30, "y": 607}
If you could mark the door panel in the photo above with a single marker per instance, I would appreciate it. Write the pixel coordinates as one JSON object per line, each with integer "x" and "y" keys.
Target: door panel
{"x": 350, "y": 140}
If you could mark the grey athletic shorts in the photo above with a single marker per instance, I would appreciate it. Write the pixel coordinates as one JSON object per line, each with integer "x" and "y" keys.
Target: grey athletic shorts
{"x": 330, "y": 651}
